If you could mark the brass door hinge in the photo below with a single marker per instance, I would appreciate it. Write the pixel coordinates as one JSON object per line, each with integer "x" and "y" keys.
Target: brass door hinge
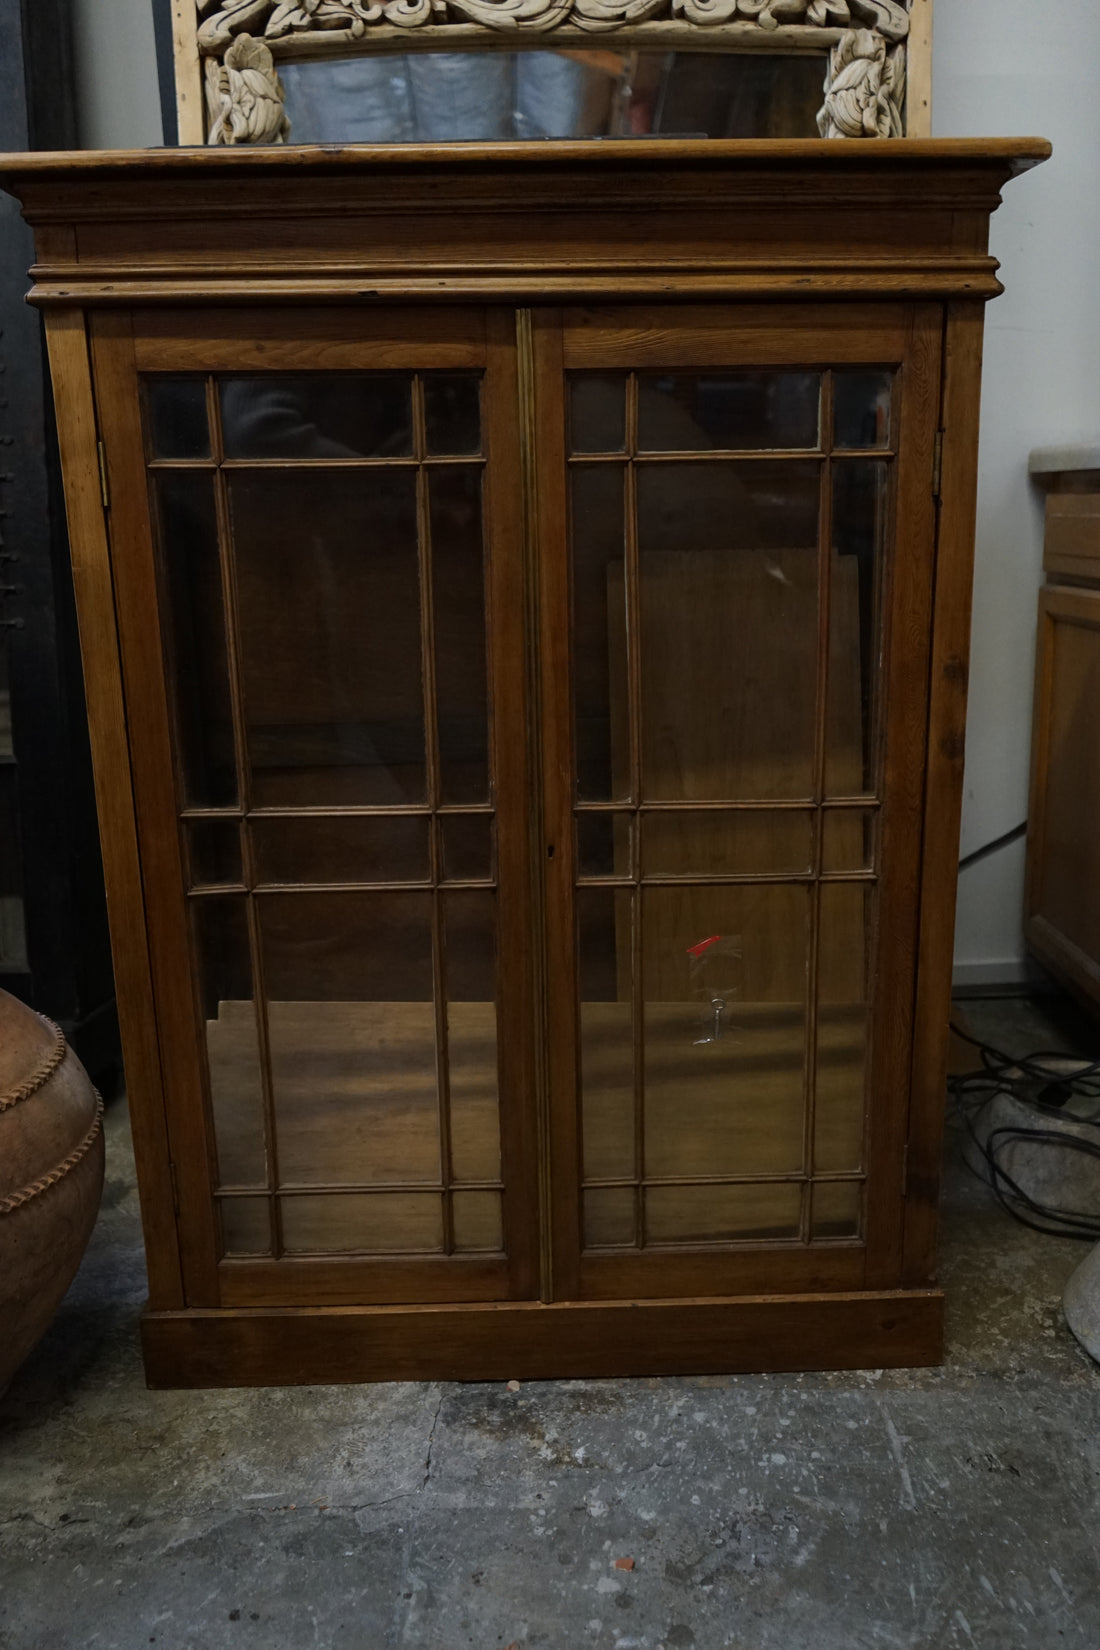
{"x": 937, "y": 464}
{"x": 104, "y": 490}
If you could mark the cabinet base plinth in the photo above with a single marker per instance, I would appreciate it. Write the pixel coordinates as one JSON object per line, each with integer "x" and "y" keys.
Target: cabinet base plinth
{"x": 528, "y": 1340}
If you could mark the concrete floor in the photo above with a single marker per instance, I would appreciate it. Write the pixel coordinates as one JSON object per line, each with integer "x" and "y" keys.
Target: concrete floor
{"x": 917, "y": 1510}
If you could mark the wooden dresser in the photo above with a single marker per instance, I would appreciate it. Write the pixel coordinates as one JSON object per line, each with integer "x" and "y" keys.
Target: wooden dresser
{"x": 1063, "y": 840}
{"x": 524, "y": 594}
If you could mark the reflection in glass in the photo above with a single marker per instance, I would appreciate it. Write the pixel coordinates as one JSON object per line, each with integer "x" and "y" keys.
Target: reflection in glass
{"x": 477, "y": 1221}
{"x": 176, "y": 413}
{"x": 601, "y": 716}
{"x": 606, "y": 1030}
{"x": 705, "y": 843}
{"x": 729, "y": 629}
{"x": 446, "y": 97}
{"x": 837, "y": 1207}
{"x": 196, "y": 638}
{"x": 329, "y": 614}
{"x": 458, "y": 585}
{"x": 246, "y": 1225}
{"x": 861, "y": 407}
{"x": 859, "y": 518}
{"x": 351, "y": 1025}
{"x": 597, "y": 412}
{"x": 734, "y": 411}
{"x": 224, "y": 973}
{"x": 609, "y": 1219}
{"x": 363, "y": 1222}
{"x": 452, "y": 413}
{"x": 214, "y": 849}
{"x": 467, "y": 847}
{"x": 350, "y": 848}
{"x": 848, "y": 839}
{"x": 603, "y": 845}
{"x": 722, "y": 1214}
{"x": 469, "y": 933}
{"x": 846, "y": 926}
{"x": 724, "y": 971}
{"x": 317, "y": 415}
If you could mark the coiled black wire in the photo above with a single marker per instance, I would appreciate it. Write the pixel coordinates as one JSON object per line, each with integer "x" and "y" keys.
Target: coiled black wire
{"x": 1044, "y": 1082}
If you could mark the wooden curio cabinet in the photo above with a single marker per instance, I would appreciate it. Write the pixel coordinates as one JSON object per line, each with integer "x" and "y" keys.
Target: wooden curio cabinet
{"x": 525, "y": 601}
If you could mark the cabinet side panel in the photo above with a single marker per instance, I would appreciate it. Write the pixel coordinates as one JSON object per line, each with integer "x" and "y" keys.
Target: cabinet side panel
{"x": 77, "y": 437}
{"x": 943, "y": 793}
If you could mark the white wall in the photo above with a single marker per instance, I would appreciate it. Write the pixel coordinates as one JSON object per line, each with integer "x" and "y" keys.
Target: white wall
{"x": 118, "y": 103}
{"x": 1011, "y": 68}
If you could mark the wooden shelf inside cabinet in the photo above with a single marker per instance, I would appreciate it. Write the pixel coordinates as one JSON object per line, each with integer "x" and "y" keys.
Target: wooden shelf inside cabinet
{"x": 1063, "y": 862}
{"x": 525, "y": 616}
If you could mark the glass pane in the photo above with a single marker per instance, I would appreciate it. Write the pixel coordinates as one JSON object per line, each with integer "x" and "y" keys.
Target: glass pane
{"x": 317, "y": 415}
{"x": 705, "y": 843}
{"x": 728, "y": 571}
{"x": 246, "y": 1225}
{"x": 606, "y": 1030}
{"x": 349, "y": 848}
{"x": 214, "y": 848}
{"x": 470, "y": 947}
{"x": 734, "y": 411}
{"x": 176, "y": 411}
{"x": 477, "y": 1223}
{"x": 458, "y": 582}
{"x": 837, "y": 1208}
{"x": 861, "y": 407}
{"x": 722, "y": 1214}
{"x": 597, "y": 412}
{"x": 329, "y": 602}
{"x": 725, "y": 980}
{"x": 603, "y": 845}
{"x": 859, "y": 519}
{"x": 844, "y": 948}
{"x": 609, "y": 1217}
{"x": 224, "y": 971}
{"x": 449, "y": 96}
{"x": 467, "y": 846}
{"x": 352, "y": 1032}
{"x": 848, "y": 839}
{"x": 364, "y": 1222}
{"x": 601, "y": 710}
{"x": 198, "y": 670}
{"x": 452, "y": 413}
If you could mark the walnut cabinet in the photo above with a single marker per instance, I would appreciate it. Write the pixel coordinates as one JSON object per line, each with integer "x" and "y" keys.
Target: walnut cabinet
{"x": 524, "y": 599}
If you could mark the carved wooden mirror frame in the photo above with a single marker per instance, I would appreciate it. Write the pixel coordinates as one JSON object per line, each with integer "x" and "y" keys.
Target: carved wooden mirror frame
{"x": 876, "y": 54}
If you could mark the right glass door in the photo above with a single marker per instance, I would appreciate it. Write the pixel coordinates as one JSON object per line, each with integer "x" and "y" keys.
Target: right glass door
{"x": 741, "y": 560}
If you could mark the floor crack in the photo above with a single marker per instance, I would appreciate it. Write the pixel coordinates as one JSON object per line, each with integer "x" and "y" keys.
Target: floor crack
{"x": 431, "y": 1441}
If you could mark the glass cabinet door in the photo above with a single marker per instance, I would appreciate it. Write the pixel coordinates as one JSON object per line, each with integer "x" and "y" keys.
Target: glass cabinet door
{"x": 331, "y": 506}
{"x": 743, "y": 581}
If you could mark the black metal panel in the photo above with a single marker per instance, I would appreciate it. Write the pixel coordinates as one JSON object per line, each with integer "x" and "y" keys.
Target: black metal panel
{"x": 48, "y": 839}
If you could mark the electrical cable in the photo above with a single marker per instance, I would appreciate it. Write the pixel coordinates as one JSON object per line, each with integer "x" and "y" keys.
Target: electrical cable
{"x": 1060, "y": 1079}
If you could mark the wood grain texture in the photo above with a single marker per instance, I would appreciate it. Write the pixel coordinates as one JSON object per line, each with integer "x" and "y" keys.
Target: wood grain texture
{"x": 946, "y": 745}
{"x": 534, "y": 1341}
{"x": 77, "y": 438}
{"x": 1062, "y": 904}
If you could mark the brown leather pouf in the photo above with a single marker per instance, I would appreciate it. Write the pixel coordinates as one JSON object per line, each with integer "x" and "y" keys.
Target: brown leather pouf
{"x": 51, "y": 1174}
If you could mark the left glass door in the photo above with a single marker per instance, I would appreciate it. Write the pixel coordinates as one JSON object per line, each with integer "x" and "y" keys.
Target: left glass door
{"x": 314, "y": 525}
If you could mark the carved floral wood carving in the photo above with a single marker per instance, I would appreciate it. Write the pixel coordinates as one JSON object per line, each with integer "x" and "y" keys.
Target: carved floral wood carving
{"x": 864, "y": 84}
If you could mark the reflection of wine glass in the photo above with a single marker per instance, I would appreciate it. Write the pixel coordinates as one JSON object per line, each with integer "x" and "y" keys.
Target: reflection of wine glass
{"x": 712, "y": 968}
